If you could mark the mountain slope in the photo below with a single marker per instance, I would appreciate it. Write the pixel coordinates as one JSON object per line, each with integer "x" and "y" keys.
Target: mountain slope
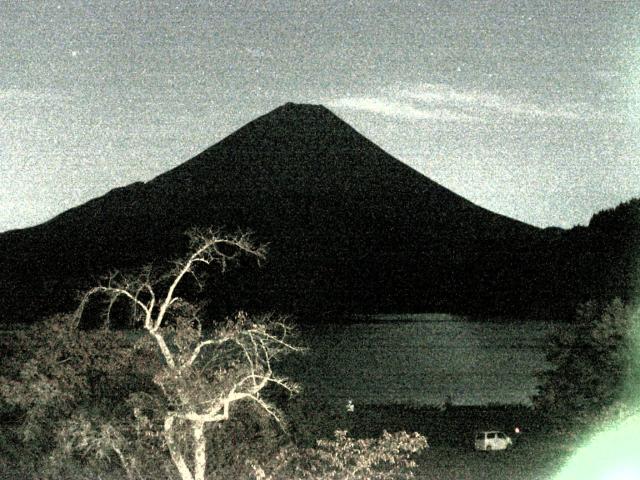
{"x": 349, "y": 228}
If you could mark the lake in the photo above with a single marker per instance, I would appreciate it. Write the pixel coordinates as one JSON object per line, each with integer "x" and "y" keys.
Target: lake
{"x": 421, "y": 359}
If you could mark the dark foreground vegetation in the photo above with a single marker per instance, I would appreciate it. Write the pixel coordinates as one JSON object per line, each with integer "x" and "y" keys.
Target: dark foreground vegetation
{"x": 174, "y": 396}
{"x": 59, "y": 420}
{"x": 537, "y": 452}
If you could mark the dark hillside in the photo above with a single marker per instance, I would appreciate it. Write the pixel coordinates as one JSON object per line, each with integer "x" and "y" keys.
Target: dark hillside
{"x": 349, "y": 228}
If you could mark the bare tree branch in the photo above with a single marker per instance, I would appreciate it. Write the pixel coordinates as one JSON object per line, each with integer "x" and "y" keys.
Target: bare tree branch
{"x": 242, "y": 350}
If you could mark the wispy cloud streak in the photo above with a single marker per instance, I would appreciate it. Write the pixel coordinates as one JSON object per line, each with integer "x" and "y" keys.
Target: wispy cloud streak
{"x": 401, "y": 109}
{"x": 439, "y": 102}
{"x": 439, "y": 94}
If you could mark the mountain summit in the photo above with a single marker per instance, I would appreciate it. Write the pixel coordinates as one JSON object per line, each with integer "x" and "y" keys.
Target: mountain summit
{"x": 349, "y": 227}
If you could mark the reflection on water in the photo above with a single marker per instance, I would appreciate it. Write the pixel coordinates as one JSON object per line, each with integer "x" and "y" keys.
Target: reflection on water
{"x": 421, "y": 359}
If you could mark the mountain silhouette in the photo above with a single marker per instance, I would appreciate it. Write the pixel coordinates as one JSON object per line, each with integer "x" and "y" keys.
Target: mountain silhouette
{"x": 348, "y": 227}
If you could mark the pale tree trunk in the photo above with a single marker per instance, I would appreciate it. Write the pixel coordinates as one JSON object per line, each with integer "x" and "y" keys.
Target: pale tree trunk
{"x": 174, "y": 451}
{"x": 162, "y": 345}
{"x": 200, "y": 450}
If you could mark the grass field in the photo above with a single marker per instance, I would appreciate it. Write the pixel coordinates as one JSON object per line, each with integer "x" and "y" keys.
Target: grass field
{"x": 535, "y": 455}
{"x": 535, "y": 461}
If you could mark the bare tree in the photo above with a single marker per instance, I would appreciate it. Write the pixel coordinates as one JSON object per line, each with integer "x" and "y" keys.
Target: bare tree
{"x": 201, "y": 375}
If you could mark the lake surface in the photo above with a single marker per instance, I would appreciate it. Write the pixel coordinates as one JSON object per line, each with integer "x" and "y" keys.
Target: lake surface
{"x": 421, "y": 359}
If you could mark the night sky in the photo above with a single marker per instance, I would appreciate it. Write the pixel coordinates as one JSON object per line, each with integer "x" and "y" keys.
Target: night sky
{"x": 530, "y": 109}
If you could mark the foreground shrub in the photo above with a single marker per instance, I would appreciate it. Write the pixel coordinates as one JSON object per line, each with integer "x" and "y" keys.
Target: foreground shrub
{"x": 69, "y": 401}
{"x": 104, "y": 397}
{"x": 594, "y": 366}
{"x": 345, "y": 458}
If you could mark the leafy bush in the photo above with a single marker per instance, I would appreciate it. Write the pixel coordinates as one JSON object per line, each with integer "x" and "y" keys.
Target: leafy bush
{"x": 345, "y": 458}
{"x": 73, "y": 376}
{"x": 593, "y": 363}
{"x": 103, "y": 396}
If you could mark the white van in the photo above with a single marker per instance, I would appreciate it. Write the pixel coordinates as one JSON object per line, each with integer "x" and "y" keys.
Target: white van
{"x": 492, "y": 440}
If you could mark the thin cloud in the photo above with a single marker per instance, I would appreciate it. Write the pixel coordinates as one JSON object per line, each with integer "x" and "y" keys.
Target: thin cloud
{"x": 443, "y": 103}
{"x": 482, "y": 102}
{"x": 400, "y": 110}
